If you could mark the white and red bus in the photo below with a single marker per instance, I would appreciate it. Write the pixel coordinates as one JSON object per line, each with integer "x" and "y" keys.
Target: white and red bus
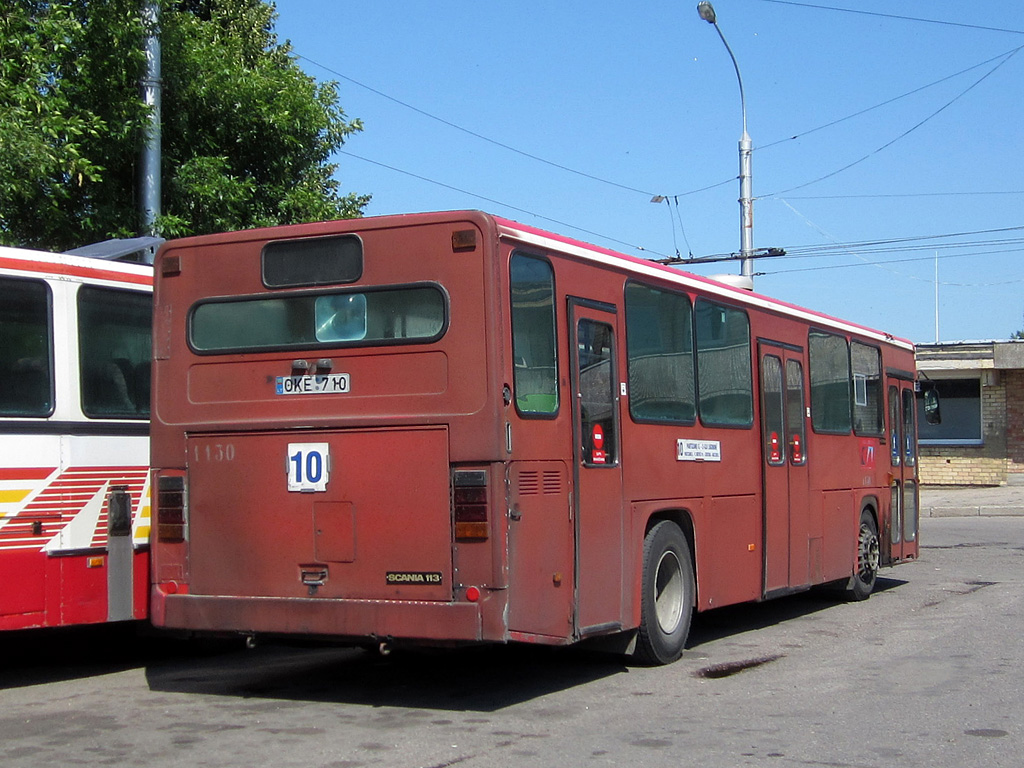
{"x": 74, "y": 448}
{"x": 455, "y": 428}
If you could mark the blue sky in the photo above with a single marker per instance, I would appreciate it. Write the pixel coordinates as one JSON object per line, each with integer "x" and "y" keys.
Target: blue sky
{"x": 571, "y": 115}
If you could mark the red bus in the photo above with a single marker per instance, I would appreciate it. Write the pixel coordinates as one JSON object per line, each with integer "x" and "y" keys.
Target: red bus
{"x": 455, "y": 428}
{"x": 74, "y": 448}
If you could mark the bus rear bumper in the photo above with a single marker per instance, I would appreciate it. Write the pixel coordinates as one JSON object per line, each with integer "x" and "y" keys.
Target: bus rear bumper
{"x": 328, "y": 617}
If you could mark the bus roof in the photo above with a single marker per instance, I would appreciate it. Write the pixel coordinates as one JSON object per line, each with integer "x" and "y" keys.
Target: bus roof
{"x": 44, "y": 263}
{"x": 531, "y": 235}
{"x": 522, "y": 233}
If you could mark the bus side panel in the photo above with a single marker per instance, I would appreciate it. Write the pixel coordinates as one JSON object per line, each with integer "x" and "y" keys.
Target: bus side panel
{"x": 23, "y": 597}
{"x": 140, "y": 583}
{"x": 540, "y": 549}
{"x": 840, "y": 522}
{"x": 82, "y": 582}
{"x": 728, "y": 543}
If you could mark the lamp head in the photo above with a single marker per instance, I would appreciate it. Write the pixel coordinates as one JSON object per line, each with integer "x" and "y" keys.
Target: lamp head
{"x": 706, "y": 11}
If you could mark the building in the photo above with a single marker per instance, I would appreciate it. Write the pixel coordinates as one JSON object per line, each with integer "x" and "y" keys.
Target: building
{"x": 981, "y": 391}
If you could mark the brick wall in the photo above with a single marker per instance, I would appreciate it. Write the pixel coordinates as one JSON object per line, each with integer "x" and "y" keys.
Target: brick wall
{"x": 985, "y": 464}
{"x": 1013, "y": 381}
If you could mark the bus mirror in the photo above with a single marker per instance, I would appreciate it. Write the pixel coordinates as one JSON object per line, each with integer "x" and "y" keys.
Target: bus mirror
{"x": 932, "y": 412}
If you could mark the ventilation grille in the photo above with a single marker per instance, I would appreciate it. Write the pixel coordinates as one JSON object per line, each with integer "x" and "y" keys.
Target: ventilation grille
{"x": 540, "y": 483}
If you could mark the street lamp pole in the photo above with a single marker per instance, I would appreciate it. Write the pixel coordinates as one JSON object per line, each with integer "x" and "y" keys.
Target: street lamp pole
{"x": 707, "y": 12}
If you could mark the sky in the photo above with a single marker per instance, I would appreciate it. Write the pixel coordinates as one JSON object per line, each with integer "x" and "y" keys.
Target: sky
{"x": 887, "y": 136}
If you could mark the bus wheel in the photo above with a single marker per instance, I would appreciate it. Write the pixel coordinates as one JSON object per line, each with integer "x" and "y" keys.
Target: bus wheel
{"x": 666, "y": 602}
{"x": 862, "y": 583}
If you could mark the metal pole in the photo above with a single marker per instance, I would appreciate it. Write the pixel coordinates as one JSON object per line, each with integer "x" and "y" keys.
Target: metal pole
{"x": 149, "y": 162}
{"x": 707, "y": 12}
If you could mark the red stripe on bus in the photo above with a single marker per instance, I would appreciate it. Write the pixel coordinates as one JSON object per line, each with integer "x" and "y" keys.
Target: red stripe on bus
{"x": 73, "y": 270}
{"x": 25, "y": 473}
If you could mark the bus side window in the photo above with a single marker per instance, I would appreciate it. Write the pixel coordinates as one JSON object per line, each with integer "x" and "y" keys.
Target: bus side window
{"x": 895, "y": 450}
{"x": 724, "y": 379}
{"x": 866, "y": 363}
{"x": 909, "y": 428}
{"x": 535, "y": 366}
{"x": 114, "y": 340}
{"x": 597, "y": 392}
{"x": 830, "y": 383}
{"x": 26, "y": 349}
{"x": 659, "y": 343}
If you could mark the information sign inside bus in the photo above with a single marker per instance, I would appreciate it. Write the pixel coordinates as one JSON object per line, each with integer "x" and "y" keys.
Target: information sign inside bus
{"x": 328, "y": 384}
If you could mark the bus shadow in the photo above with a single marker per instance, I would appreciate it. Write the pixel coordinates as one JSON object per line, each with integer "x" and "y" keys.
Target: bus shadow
{"x": 482, "y": 679}
{"x": 747, "y": 617}
{"x": 58, "y": 654}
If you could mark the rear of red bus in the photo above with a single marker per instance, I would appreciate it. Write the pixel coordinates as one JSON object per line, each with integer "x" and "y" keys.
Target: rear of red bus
{"x": 326, "y": 437}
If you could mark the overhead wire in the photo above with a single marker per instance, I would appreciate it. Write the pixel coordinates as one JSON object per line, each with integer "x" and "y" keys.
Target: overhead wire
{"x": 903, "y": 135}
{"x": 497, "y": 202}
{"x": 887, "y": 101}
{"x": 1001, "y": 58}
{"x": 907, "y": 275}
{"x": 896, "y": 244}
{"x": 475, "y": 134}
{"x": 1005, "y": 56}
{"x": 896, "y": 16}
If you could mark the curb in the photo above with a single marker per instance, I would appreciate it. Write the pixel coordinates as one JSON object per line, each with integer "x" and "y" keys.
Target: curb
{"x": 983, "y": 510}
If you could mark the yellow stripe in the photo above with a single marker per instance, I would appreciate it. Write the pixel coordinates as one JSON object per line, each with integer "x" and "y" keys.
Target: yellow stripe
{"x": 12, "y": 497}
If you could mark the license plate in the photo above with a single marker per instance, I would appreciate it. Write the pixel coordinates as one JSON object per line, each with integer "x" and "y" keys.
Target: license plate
{"x": 328, "y": 384}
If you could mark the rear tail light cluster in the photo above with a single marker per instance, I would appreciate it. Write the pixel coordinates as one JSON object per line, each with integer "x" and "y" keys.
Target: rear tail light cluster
{"x": 170, "y": 509}
{"x": 469, "y": 504}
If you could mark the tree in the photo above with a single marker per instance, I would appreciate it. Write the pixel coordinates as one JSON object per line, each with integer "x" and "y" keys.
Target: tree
{"x": 247, "y": 136}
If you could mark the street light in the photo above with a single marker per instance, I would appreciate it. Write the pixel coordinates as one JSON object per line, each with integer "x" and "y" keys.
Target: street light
{"x": 707, "y": 12}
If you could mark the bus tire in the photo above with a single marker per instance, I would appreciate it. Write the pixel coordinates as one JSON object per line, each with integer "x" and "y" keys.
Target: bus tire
{"x": 862, "y": 583}
{"x": 667, "y": 595}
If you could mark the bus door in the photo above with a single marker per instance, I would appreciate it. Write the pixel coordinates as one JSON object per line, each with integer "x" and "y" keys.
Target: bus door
{"x": 784, "y": 447}
{"x": 903, "y": 493}
{"x": 597, "y": 467}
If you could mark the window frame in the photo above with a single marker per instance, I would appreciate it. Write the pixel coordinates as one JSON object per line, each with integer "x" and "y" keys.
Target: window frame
{"x": 51, "y": 374}
{"x": 946, "y": 399}
{"x": 88, "y": 409}
{"x": 817, "y": 405}
{"x": 324, "y": 345}
{"x": 528, "y": 414}
{"x": 642, "y": 419}
{"x": 749, "y": 424}
{"x": 880, "y": 385}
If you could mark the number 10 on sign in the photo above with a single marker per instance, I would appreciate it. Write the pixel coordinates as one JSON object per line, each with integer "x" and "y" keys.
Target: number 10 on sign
{"x": 309, "y": 465}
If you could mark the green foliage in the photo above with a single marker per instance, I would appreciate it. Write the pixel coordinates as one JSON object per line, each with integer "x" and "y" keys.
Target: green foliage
{"x": 247, "y": 136}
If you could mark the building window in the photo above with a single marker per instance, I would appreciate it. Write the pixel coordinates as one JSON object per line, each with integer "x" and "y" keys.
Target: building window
{"x": 960, "y": 400}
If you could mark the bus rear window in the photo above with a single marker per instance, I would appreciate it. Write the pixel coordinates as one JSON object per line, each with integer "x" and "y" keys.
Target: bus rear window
{"x": 312, "y": 261}
{"x": 387, "y": 316}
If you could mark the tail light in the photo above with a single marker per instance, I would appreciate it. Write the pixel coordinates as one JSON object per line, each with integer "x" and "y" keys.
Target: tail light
{"x": 469, "y": 504}
{"x": 170, "y": 515}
